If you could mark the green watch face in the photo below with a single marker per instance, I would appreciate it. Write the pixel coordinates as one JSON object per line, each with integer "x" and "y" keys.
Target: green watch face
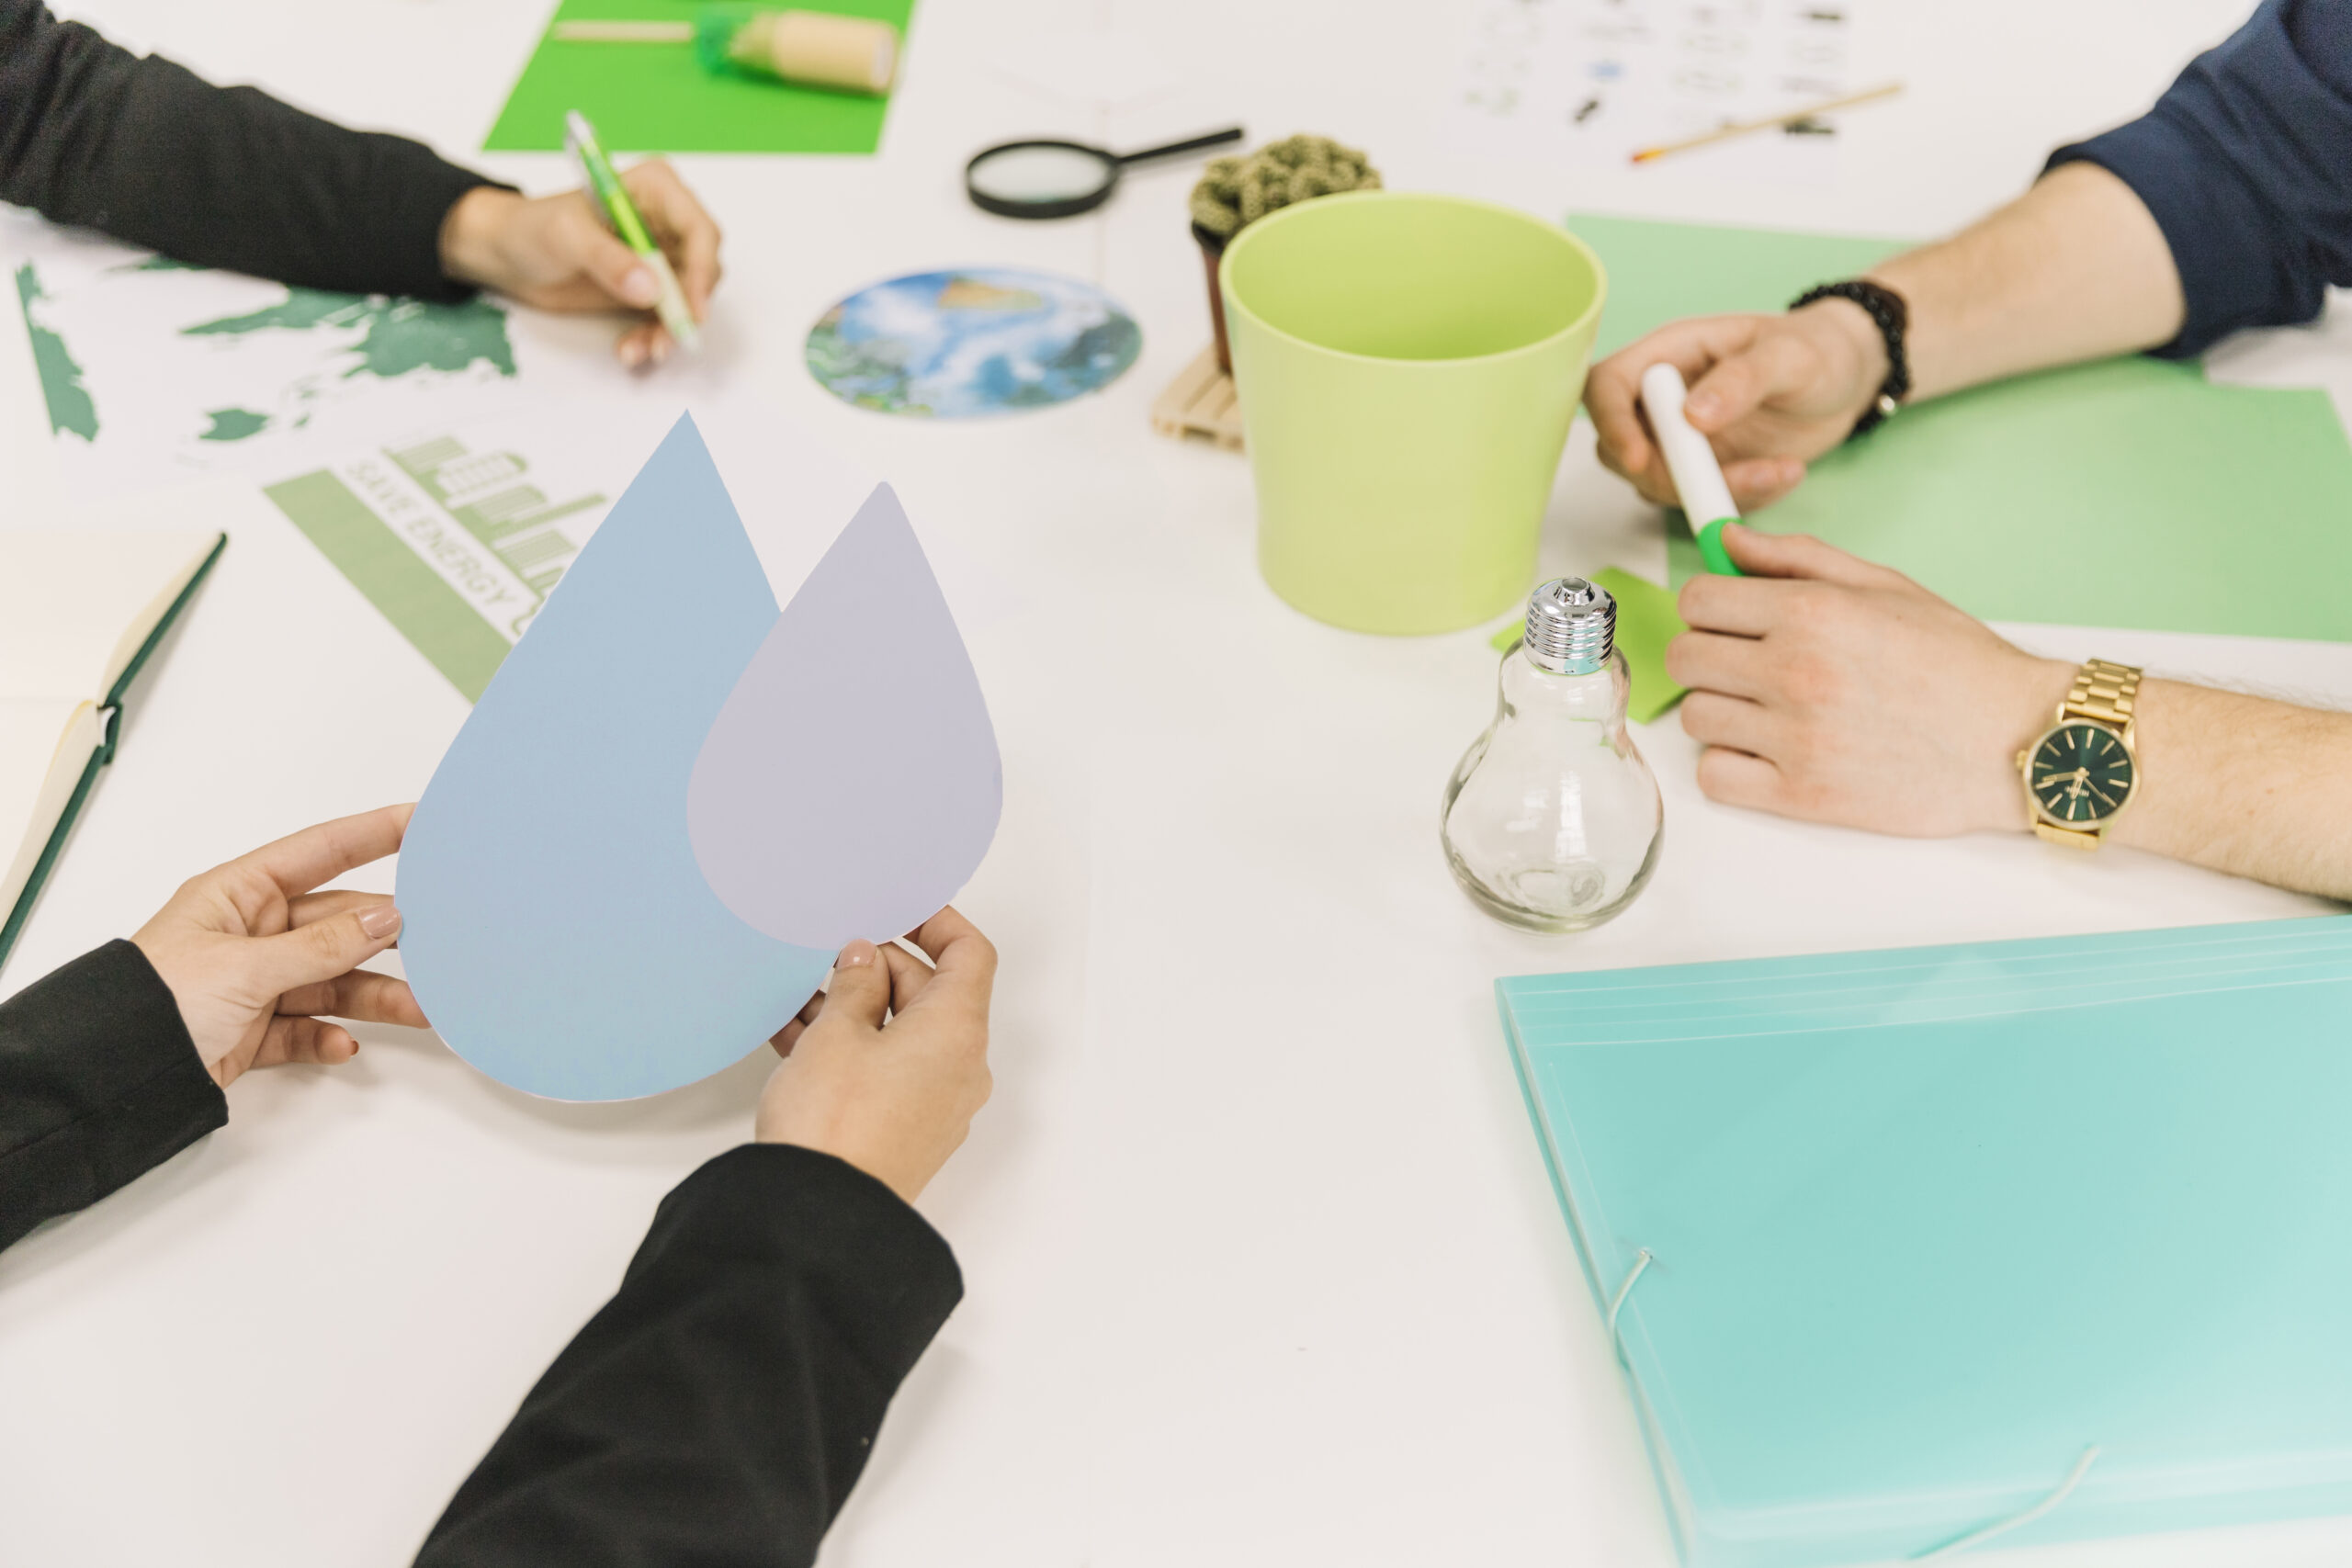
{"x": 2081, "y": 773}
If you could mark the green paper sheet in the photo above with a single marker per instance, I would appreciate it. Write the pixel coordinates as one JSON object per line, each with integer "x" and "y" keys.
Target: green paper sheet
{"x": 1661, "y": 272}
{"x": 653, "y": 98}
{"x": 2130, "y": 492}
{"x": 1646, "y": 622}
{"x": 2127, "y": 494}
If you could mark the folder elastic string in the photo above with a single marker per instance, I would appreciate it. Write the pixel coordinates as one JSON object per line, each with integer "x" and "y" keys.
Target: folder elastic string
{"x": 1642, "y": 1260}
{"x": 1975, "y": 1537}
{"x": 1617, "y": 1302}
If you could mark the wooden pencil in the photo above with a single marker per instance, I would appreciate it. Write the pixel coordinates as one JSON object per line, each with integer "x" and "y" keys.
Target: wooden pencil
{"x": 1724, "y": 132}
{"x": 624, "y": 32}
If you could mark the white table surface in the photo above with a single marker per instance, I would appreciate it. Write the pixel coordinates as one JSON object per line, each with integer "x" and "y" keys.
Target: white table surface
{"x": 1261, "y": 1262}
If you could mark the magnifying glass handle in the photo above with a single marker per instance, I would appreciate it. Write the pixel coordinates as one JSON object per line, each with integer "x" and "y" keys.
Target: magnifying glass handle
{"x": 1193, "y": 144}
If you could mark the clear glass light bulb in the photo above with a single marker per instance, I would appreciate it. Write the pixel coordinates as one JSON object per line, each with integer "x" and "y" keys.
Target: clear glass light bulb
{"x": 1552, "y": 817}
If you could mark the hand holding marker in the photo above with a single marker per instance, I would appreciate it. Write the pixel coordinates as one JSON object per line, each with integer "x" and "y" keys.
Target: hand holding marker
{"x": 580, "y": 138}
{"x": 1698, "y": 478}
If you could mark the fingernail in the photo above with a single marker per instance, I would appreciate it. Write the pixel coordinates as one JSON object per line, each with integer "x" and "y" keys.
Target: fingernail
{"x": 633, "y": 352}
{"x": 640, "y": 289}
{"x": 856, "y": 955}
{"x": 1701, "y": 406}
{"x": 660, "y": 350}
{"x": 380, "y": 922}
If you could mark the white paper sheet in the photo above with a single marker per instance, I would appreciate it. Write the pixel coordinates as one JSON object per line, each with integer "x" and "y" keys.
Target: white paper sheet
{"x": 1595, "y": 81}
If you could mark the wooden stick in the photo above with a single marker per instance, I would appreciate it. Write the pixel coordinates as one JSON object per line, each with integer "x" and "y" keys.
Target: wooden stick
{"x": 623, "y": 32}
{"x": 1724, "y": 132}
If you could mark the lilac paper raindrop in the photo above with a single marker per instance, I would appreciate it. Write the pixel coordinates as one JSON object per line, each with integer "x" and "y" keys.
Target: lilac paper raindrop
{"x": 850, "y": 783}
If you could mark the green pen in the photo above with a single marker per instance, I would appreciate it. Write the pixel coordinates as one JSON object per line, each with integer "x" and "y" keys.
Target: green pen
{"x": 1698, "y": 478}
{"x": 580, "y": 138}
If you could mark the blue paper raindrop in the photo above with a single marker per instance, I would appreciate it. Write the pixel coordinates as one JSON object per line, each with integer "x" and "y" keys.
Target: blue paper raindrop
{"x": 558, "y": 931}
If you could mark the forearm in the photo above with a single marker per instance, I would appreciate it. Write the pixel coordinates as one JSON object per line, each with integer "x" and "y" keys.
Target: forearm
{"x": 2243, "y": 784}
{"x": 92, "y": 135}
{"x": 2075, "y": 269}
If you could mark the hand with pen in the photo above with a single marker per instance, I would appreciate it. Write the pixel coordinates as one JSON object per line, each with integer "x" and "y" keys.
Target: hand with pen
{"x": 2076, "y": 269}
{"x": 1770, "y": 393}
{"x": 556, "y": 253}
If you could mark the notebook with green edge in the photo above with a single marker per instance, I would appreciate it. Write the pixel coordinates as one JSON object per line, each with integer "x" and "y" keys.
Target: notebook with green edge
{"x": 2044, "y": 1240}
{"x": 81, "y": 614}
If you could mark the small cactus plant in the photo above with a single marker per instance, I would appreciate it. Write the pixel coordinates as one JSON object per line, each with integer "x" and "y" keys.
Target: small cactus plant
{"x": 1236, "y": 192}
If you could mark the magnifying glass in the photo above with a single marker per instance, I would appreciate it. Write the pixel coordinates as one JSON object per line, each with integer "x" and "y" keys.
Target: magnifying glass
{"x": 1060, "y": 179}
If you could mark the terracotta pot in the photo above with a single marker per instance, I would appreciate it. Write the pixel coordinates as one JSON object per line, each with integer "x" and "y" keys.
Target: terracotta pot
{"x": 1211, "y": 252}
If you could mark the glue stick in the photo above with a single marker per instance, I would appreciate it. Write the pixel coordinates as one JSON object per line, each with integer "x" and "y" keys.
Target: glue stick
{"x": 853, "y": 54}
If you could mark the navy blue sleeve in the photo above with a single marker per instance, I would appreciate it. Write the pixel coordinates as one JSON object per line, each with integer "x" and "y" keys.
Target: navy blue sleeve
{"x": 2247, "y": 163}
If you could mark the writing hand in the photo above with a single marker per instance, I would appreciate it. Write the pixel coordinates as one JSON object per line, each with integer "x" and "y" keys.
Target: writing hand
{"x": 1769, "y": 392}
{"x": 258, "y": 962}
{"x": 555, "y": 252}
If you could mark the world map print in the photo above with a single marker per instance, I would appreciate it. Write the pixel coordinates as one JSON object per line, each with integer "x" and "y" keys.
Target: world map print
{"x": 152, "y": 370}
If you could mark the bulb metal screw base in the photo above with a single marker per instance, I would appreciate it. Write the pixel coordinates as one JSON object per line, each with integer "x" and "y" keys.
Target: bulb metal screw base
{"x": 1571, "y": 626}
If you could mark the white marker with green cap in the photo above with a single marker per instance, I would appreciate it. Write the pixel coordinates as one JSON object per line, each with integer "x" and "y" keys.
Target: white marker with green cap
{"x": 1698, "y": 478}
{"x": 580, "y": 137}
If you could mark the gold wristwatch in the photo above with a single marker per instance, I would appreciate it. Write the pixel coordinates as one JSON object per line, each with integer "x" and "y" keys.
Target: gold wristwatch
{"x": 2079, "y": 775}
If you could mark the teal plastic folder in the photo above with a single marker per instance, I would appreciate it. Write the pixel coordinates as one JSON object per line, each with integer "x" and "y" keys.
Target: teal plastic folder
{"x": 1924, "y": 1235}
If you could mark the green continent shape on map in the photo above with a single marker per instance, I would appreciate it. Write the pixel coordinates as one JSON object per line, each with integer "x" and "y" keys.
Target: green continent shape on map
{"x": 400, "y": 336}
{"x": 413, "y": 336}
{"x": 301, "y": 311}
{"x": 233, "y": 424}
{"x": 70, "y": 404}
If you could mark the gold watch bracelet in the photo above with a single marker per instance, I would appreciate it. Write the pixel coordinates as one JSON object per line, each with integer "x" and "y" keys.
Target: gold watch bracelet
{"x": 2106, "y": 692}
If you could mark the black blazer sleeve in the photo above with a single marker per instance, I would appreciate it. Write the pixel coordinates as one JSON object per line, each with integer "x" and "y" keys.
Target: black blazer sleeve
{"x": 717, "y": 1410}
{"x": 98, "y": 1082}
{"x": 93, "y": 135}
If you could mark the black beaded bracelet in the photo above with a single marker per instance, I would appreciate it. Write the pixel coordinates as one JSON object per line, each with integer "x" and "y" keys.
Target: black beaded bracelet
{"x": 1887, "y": 309}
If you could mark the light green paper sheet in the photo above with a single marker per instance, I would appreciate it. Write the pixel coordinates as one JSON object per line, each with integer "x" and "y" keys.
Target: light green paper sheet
{"x": 1646, "y": 622}
{"x": 1661, "y": 272}
{"x": 2127, "y": 494}
{"x": 655, "y": 98}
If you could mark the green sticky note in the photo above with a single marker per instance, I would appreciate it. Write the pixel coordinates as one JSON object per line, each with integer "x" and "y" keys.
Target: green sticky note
{"x": 654, "y": 98}
{"x": 1662, "y": 272}
{"x": 1646, "y": 622}
{"x": 2131, "y": 492}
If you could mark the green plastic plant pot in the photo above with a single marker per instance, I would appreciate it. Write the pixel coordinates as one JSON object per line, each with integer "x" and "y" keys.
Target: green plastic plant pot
{"x": 1408, "y": 368}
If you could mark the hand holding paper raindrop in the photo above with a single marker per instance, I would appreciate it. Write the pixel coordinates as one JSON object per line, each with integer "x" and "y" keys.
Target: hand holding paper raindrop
{"x": 675, "y": 801}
